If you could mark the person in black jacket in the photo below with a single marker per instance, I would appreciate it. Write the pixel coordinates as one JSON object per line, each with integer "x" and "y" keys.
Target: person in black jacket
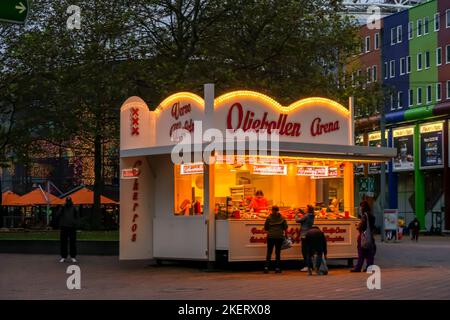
{"x": 414, "y": 226}
{"x": 68, "y": 217}
{"x": 367, "y": 218}
{"x": 315, "y": 242}
{"x": 275, "y": 227}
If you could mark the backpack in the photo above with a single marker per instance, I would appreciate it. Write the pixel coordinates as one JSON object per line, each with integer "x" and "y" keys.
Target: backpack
{"x": 366, "y": 236}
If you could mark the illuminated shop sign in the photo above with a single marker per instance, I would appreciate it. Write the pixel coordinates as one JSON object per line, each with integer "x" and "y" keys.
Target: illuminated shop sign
{"x": 312, "y": 171}
{"x": 132, "y": 173}
{"x": 270, "y": 169}
{"x": 375, "y": 141}
{"x": 431, "y": 145}
{"x": 191, "y": 168}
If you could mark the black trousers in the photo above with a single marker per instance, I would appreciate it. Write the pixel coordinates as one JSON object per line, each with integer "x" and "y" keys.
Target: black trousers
{"x": 277, "y": 244}
{"x": 68, "y": 235}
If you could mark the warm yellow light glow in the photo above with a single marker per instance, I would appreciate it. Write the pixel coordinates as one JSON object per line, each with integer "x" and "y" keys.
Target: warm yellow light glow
{"x": 314, "y": 101}
{"x": 432, "y": 127}
{"x": 401, "y": 132}
{"x": 267, "y": 159}
{"x": 180, "y": 96}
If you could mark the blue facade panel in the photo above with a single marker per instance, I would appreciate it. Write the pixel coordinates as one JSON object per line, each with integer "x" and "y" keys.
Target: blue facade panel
{"x": 395, "y": 52}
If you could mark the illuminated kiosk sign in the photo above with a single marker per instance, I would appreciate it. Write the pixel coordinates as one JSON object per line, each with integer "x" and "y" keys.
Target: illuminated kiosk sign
{"x": 374, "y": 139}
{"x": 191, "y": 168}
{"x": 270, "y": 169}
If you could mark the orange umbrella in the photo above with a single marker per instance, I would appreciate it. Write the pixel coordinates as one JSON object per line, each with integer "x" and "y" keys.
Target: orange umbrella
{"x": 9, "y": 197}
{"x": 86, "y": 197}
{"x": 38, "y": 197}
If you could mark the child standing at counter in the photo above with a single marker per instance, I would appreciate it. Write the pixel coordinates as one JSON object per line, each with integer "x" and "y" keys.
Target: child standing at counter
{"x": 276, "y": 227}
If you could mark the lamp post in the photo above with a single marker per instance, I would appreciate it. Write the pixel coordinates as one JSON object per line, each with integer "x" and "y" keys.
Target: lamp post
{"x": 383, "y": 170}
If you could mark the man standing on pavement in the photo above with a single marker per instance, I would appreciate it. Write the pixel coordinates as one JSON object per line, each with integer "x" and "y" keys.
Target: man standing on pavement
{"x": 69, "y": 218}
{"x": 306, "y": 222}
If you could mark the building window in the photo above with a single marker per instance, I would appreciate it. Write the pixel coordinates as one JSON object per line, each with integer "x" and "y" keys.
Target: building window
{"x": 429, "y": 90}
{"x": 437, "y": 22}
{"x": 427, "y": 60}
{"x": 393, "y": 36}
{"x": 448, "y": 89}
{"x": 399, "y": 100}
{"x": 399, "y": 34}
{"x": 408, "y": 64}
{"x": 411, "y": 97}
{"x": 377, "y": 41}
{"x": 369, "y": 75}
{"x": 402, "y": 66}
{"x": 438, "y": 56}
{"x": 419, "y": 95}
{"x": 392, "y": 102}
{"x": 410, "y": 30}
{"x": 374, "y": 73}
{"x": 447, "y": 18}
{"x": 447, "y": 54}
{"x": 367, "y": 47}
{"x": 438, "y": 91}
{"x": 419, "y": 61}
{"x": 426, "y": 25}
{"x": 419, "y": 27}
{"x": 385, "y": 70}
{"x": 392, "y": 69}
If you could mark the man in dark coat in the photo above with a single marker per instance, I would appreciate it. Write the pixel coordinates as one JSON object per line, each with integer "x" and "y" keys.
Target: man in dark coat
{"x": 414, "y": 226}
{"x": 69, "y": 218}
{"x": 315, "y": 242}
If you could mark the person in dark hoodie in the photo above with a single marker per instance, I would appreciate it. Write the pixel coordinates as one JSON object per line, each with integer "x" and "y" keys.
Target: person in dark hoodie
{"x": 276, "y": 227}
{"x": 315, "y": 243}
{"x": 368, "y": 254}
{"x": 68, "y": 217}
{"x": 414, "y": 226}
{"x": 306, "y": 222}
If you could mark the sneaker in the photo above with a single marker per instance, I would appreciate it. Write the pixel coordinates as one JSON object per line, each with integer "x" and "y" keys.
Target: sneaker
{"x": 73, "y": 260}
{"x": 266, "y": 270}
{"x": 277, "y": 270}
{"x": 305, "y": 269}
{"x": 62, "y": 260}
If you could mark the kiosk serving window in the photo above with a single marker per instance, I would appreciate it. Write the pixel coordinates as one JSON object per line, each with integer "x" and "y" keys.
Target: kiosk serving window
{"x": 188, "y": 189}
{"x": 249, "y": 189}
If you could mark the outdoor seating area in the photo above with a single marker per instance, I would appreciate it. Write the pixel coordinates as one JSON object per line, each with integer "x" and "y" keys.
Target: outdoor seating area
{"x": 37, "y": 209}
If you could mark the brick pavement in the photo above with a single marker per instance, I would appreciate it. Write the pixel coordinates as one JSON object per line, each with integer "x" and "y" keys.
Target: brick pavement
{"x": 409, "y": 271}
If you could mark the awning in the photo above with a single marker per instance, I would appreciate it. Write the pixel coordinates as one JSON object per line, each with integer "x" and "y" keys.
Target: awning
{"x": 37, "y": 197}
{"x": 307, "y": 150}
{"x": 9, "y": 198}
{"x": 85, "y": 196}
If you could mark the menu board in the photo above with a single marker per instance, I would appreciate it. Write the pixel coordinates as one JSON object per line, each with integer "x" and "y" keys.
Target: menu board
{"x": 403, "y": 140}
{"x": 431, "y": 145}
{"x": 358, "y": 168}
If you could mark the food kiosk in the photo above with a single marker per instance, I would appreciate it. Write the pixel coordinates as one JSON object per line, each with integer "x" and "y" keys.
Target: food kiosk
{"x": 187, "y": 186}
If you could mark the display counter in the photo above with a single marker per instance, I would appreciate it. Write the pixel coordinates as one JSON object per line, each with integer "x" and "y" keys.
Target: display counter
{"x": 245, "y": 239}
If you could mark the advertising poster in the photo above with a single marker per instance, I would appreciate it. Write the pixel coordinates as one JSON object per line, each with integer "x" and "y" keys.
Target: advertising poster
{"x": 431, "y": 145}
{"x": 358, "y": 169}
{"x": 403, "y": 141}
{"x": 375, "y": 141}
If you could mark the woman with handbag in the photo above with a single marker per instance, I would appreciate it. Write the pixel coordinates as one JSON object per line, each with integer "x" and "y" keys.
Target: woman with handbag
{"x": 366, "y": 242}
{"x": 276, "y": 227}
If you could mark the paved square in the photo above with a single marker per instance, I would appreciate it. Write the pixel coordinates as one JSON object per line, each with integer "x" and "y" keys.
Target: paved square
{"x": 408, "y": 271}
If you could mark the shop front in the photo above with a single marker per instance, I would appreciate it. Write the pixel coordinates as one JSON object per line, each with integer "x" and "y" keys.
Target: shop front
{"x": 186, "y": 194}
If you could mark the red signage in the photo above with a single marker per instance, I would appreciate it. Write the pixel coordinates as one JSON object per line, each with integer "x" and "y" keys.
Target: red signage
{"x": 135, "y": 199}
{"x": 270, "y": 169}
{"x": 332, "y": 234}
{"x": 132, "y": 173}
{"x": 312, "y": 171}
{"x": 318, "y": 128}
{"x": 248, "y": 122}
{"x": 134, "y": 117}
{"x": 191, "y": 168}
{"x": 180, "y": 111}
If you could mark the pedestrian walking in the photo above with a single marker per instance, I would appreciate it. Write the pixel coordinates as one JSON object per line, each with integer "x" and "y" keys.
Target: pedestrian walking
{"x": 315, "y": 243}
{"x": 276, "y": 227}
{"x": 414, "y": 226}
{"x": 306, "y": 222}
{"x": 366, "y": 242}
{"x": 68, "y": 217}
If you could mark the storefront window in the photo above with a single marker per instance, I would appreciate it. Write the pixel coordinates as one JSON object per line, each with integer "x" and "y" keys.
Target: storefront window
{"x": 249, "y": 190}
{"x": 188, "y": 195}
